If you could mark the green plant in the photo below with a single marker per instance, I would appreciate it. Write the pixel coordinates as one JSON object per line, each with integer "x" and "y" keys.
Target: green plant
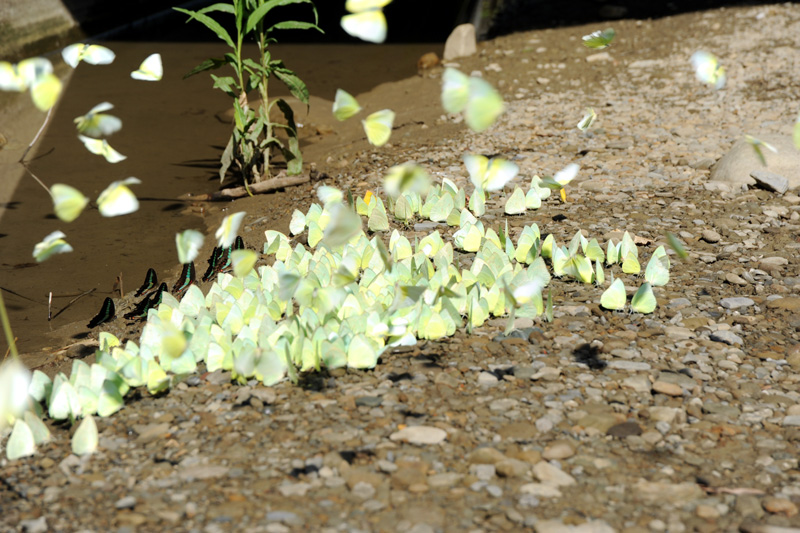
{"x": 254, "y": 133}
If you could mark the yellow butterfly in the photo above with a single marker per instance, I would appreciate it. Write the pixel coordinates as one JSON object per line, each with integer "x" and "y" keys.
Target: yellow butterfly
{"x": 366, "y": 20}
{"x": 378, "y": 126}
{"x": 94, "y": 54}
{"x": 151, "y": 69}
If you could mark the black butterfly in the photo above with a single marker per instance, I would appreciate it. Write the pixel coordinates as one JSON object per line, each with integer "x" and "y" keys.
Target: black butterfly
{"x": 107, "y": 312}
{"x": 150, "y": 282}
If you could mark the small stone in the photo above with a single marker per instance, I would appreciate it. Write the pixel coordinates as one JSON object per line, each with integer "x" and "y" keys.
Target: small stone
{"x": 542, "y": 490}
{"x": 709, "y": 512}
{"x": 486, "y": 455}
{"x": 777, "y": 505}
{"x": 203, "y": 472}
{"x": 791, "y": 421}
{"x": 512, "y": 468}
{"x": 419, "y": 435}
{"x": 363, "y": 491}
{"x": 487, "y": 379}
{"x": 771, "y": 263}
{"x": 710, "y": 236}
{"x": 726, "y": 336}
{"x": 461, "y": 42}
{"x": 670, "y": 389}
{"x": 664, "y": 414}
{"x": 34, "y": 525}
{"x": 733, "y": 279}
{"x": 128, "y": 502}
{"x": 770, "y": 181}
{"x": 790, "y": 303}
{"x": 560, "y": 449}
{"x": 445, "y": 480}
{"x": 736, "y": 302}
{"x": 287, "y": 517}
{"x": 664, "y": 492}
{"x": 625, "y": 429}
{"x": 294, "y": 489}
{"x": 482, "y": 472}
{"x": 601, "y": 56}
{"x": 547, "y": 473}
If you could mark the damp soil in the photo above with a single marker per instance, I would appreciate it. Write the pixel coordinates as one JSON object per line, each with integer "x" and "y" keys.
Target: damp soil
{"x": 683, "y": 420}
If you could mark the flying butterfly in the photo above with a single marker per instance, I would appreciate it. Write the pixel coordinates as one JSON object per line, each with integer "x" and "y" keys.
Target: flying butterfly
{"x": 151, "y": 69}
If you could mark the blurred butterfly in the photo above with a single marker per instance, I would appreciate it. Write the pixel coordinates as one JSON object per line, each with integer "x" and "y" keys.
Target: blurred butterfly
{"x": 599, "y": 39}
{"x": 151, "y": 69}
{"x": 378, "y": 127}
{"x": 68, "y": 202}
{"x": 489, "y": 174}
{"x": 94, "y": 54}
{"x": 117, "y": 199}
{"x": 481, "y": 103}
{"x": 52, "y": 244}
{"x": 587, "y": 120}
{"x": 708, "y": 69}
{"x": 757, "y": 144}
{"x": 101, "y": 147}
{"x": 188, "y": 244}
{"x": 344, "y": 105}
{"x": 97, "y": 124}
{"x": 366, "y": 20}
{"x": 35, "y": 74}
{"x": 226, "y": 233}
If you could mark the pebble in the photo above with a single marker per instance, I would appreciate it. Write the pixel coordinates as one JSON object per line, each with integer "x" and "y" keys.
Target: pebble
{"x": 670, "y": 389}
{"x": 34, "y": 525}
{"x": 782, "y": 506}
{"x": 547, "y": 473}
{"x": 770, "y": 181}
{"x": 542, "y": 490}
{"x": 560, "y": 449}
{"x": 710, "y": 236}
{"x": 420, "y": 435}
{"x": 128, "y": 502}
{"x": 727, "y": 337}
{"x": 736, "y": 302}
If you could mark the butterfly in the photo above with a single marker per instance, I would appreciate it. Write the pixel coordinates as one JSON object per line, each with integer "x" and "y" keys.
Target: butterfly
{"x": 614, "y": 297}
{"x": 68, "y": 202}
{"x": 52, "y": 244}
{"x": 151, "y": 69}
{"x": 489, "y": 174}
{"x": 107, "y": 312}
{"x": 344, "y": 105}
{"x": 515, "y": 204}
{"x": 599, "y": 39}
{"x": 366, "y": 21}
{"x": 481, "y": 103}
{"x": 188, "y": 244}
{"x": 94, "y": 54}
{"x": 97, "y": 124}
{"x": 101, "y": 147}
{"x": 117, "y": 199}
{"x": 226, "y": 233}
{"x": 587, "y": 120}
{"x": 708, "y": 69}
{"x": 378, "y": 126}
{"x": 36, "y": 74}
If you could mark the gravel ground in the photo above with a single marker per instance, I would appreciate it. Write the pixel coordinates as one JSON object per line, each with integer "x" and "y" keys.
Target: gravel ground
{"x": 684, "y": 420}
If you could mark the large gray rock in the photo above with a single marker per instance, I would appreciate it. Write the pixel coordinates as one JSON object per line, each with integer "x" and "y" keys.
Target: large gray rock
{"x": 461, "y": 42}
{"x": 735, "y": 166}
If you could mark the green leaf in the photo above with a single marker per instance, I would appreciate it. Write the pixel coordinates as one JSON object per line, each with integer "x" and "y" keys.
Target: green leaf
{"x": 209, "y": 23}
{"x": 226, "y": 160}
{"x": 226, "y": 83}
{"x": 295, "y": 84}
{"x": 257, "y": 15}
{"x": 224, "y": 8}
{"x": 295, "y": 25}
{"x": 208, "y": 64}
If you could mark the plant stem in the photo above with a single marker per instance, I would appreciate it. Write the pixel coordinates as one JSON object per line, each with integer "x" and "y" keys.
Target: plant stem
{"x": 28, "y": 149}
{"x": 7, "y": 328}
